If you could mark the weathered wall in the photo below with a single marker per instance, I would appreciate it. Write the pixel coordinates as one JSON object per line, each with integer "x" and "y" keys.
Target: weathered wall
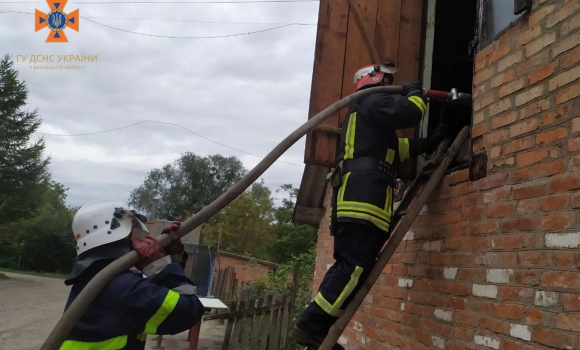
{"x": 493, "y": 263}
{"x": 393, "y": 27}
{"x": 246, "y": 270}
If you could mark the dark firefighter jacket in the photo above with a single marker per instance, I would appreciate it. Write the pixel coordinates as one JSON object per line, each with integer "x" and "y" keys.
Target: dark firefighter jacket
{"x": 365, "y": 196}
{"x": 131, "y": 306}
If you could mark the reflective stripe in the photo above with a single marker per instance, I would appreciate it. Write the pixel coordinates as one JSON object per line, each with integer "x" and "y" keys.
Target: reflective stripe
{"x": 349, "y": 142}
{"x": 109, "y": 344}
{"x": 165, "y": 309}
{"x": 326, "y": 306}
{"x": 404, "y": 149}
{"x": 419, "y": 103}
{"x": 364, "y": 207}
{"x": 357, "y": 215}
{"x": 390, "y": 156}
{"x": 334, "y": 309}
{"x": 341, "y": 190}
{"x": 389, "y": 202}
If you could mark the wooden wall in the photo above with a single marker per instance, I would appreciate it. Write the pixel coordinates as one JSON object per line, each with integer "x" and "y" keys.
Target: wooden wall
{"x": 393, "y": 26}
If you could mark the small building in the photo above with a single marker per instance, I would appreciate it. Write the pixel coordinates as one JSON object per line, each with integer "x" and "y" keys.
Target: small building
{"x": 246, "y": 269}
{"x": 492, "y": 261}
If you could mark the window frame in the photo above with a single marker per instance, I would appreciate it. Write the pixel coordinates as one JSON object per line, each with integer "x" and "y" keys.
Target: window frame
{"x": 521, "y": 9}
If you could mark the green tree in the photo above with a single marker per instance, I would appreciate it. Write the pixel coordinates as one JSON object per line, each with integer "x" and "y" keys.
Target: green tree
{"x": 23, "y": 170}
{"x": 292, "y": 239}
{"x": 243, "y": 227}
{"x": 46, "y": 241}
{"x": 187, "y": 185}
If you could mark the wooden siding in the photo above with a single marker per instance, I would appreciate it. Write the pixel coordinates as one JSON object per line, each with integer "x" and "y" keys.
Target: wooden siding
{"x": 395, "y": 27}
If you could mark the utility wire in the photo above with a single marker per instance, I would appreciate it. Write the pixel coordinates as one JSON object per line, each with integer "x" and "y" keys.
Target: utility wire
{"x": 188, "y": 37}
{"x": 179, "y": 20}
{"x": 163, "y": 2}
{"x": 174, "y": 37}
{"x": 165, "y": 123}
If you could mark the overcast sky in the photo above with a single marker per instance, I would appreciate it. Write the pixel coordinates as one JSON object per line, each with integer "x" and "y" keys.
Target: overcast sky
{"x": 247, "y": 92}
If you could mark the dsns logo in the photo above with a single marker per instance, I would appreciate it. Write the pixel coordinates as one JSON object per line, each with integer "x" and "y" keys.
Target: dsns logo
{"x": 56, "y": 20}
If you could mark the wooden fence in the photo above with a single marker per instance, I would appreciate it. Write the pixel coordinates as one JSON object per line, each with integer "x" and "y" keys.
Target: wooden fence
{"x": 261, "y": 324}
{"x": 225, "y": 284}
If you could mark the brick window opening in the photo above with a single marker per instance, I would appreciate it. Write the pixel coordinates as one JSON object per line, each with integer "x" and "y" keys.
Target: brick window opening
{"x": 451, "y": 64}
{"x": 496, "y": 16}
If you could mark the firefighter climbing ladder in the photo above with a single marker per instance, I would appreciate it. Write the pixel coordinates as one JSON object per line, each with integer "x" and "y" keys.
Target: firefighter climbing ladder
{"x": 408, "y": 210}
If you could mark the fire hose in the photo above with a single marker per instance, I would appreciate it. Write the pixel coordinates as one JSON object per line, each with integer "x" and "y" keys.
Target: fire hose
{"x": 76, "y": 309}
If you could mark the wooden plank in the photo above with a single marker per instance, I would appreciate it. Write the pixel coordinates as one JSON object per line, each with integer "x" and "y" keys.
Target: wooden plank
{"x": 326, "y": 85}
{"x": 229, "y": 327}
{"x": 238, "y": 325}
{"x": 357, "y": 54}
{"x": 274, "y": 329}
{"x": 387, "y": 31}
{"x": 243, "y": 313}
{"x": 307, "y": 215}
{"x": 408, "y": 62}
{"x": 247, "y": 329}
{"x": 284, "y": 323}
{"x": 369, "y": 42}
{"x": 267, "y": 324}
{"x": 257, "y": 326}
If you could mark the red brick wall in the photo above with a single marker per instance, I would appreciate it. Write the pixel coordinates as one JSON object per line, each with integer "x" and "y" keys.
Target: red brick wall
{"x": 246, "y": 271}
{"x": 493, "y": 263}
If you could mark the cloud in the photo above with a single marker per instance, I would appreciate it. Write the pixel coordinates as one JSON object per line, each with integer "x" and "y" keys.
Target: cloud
{"x": 247, "y": 92}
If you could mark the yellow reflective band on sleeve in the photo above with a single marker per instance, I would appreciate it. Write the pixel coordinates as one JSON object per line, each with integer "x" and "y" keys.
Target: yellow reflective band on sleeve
{"x": 165, "y": 309}
{"x": 349, "y": 142}
{"x": 109, "y": 344}
{"x": 390, "y": 156}
{"x": 334, "y": 309}
{"x": 404, "y": 149}
{"x": 419, "y": 103}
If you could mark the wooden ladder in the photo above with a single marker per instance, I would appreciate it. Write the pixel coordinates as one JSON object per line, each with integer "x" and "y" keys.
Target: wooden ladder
{"x": 403, "y": 218}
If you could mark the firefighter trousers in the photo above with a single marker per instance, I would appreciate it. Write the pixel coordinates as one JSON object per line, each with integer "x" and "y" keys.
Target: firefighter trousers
{"x": 356, "y": 247}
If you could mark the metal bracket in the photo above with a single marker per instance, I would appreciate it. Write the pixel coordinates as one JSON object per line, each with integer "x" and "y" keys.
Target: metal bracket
{"x": 521, "y": 6}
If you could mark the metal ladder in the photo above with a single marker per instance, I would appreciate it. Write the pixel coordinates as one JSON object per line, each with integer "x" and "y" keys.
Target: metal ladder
{"x": 403, "y": 218}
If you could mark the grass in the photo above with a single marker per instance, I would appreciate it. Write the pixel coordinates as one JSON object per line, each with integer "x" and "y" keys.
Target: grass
{"x": 32, "y": 273}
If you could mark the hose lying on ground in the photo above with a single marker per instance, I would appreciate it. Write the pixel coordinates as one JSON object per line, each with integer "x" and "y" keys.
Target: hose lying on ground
{"x": 94, "y": 287}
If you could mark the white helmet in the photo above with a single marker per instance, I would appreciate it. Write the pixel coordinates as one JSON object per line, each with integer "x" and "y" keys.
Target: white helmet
{"x": 104, "y": 221}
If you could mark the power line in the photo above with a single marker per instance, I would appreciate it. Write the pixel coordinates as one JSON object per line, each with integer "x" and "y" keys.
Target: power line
{"x": 163, "y": 2}
{"x": 189, "y": 37}
{"x": 175, "y": 37}
{"x": 180, "y": 20}
{"x": 165, "y": 123}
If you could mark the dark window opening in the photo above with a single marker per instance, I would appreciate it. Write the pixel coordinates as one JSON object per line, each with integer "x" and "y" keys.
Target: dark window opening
{"x": 496, "y": 16}
{"x": 452, "y": 64}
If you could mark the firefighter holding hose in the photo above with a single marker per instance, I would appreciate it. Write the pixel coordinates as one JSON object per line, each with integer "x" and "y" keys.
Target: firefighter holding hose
{"x": 131, "y": 306}
{"x": 362, "y": 197}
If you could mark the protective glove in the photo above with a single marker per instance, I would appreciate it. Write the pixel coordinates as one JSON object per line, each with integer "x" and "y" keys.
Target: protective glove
{"x": 149, "y": 251}
{"x": 175, "y": 248}
{"x": 411, "y": 88}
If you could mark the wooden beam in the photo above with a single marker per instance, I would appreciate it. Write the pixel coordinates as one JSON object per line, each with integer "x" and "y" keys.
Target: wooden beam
{"x": 365, "y": 33}
{"x": 327, "y": 78}
{"x": 308, "y": 215}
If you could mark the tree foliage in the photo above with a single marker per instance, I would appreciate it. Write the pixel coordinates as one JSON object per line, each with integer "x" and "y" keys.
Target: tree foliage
{"x": 291, "y": 239}
{"x": 23, "y": 170}
{"x": 35, "y": 224}
{"x": 187, "y": 185}
{"x": 243, "y": 227}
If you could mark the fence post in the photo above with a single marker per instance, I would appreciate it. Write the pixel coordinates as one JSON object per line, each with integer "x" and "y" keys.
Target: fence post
{"x": 229, "y": 327}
